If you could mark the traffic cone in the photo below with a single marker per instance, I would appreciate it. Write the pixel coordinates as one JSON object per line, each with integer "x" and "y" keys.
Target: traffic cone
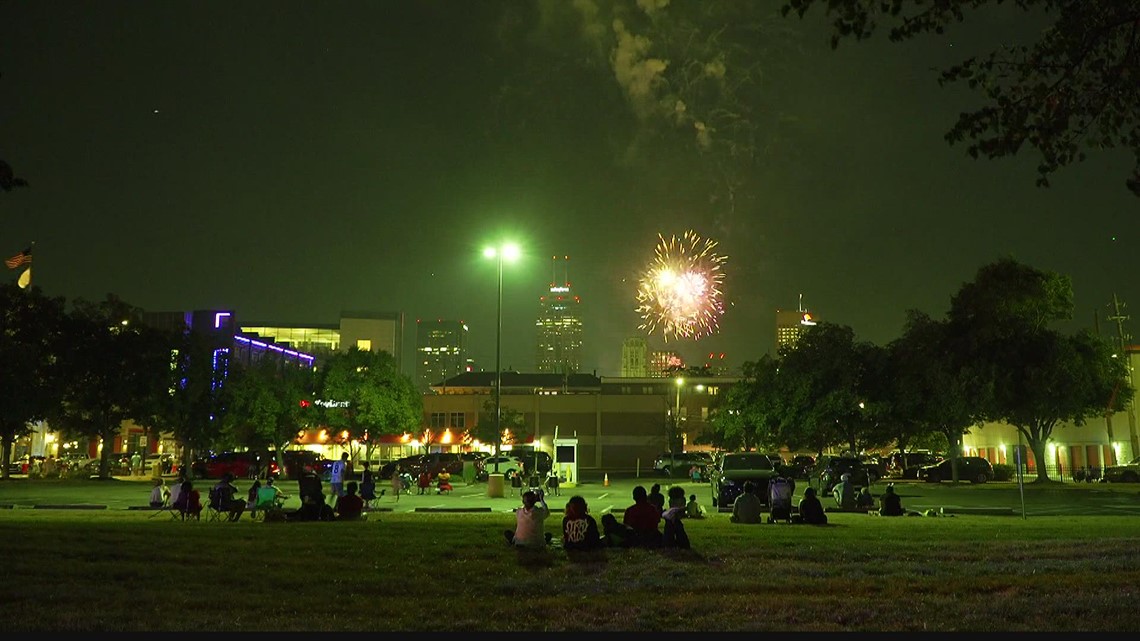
{"x": 606, "y": 482}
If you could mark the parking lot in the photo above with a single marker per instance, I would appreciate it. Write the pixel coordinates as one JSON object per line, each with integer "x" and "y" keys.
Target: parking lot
{"x": 1051, "y": 500}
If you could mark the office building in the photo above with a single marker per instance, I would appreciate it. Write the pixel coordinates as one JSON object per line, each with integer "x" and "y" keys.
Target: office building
{"x": 441, "y": 351}
{"x": 559, "y": 329}
{"x": 634, "y": 354}
{"x": 663, "y": 362}
{"x": 790, "y": 325}
{"x": 369, "y": 331}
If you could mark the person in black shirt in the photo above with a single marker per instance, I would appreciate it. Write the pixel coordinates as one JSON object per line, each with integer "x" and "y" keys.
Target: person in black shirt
{"x": 810, "y": 509}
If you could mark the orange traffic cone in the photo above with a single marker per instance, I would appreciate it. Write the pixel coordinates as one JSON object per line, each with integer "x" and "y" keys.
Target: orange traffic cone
{"x": 606, "y": 482}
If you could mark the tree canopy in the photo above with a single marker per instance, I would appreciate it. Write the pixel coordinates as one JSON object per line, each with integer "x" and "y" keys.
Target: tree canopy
{"x": 1075, "y": 89}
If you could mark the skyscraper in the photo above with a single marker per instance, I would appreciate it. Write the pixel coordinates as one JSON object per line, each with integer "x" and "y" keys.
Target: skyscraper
{"x": 634, "y": 353}
{"x": 559, "y": 327}
{"x": 441, "y": 351}
{"x": 790, "y": 325}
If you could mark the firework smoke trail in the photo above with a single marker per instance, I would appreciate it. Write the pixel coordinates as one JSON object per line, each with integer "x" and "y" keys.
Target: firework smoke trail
{"x": 679, "y": 294}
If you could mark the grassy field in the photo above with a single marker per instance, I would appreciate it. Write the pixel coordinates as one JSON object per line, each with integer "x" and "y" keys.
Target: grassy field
{"x": 121, "y": 570}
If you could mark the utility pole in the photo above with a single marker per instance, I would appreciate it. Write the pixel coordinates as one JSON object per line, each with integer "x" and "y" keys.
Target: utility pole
{"x": 1119, "y": 317}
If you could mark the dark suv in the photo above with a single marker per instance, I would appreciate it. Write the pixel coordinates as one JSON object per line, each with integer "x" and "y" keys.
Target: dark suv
{"x": 829, "y": 469}
{"x": 974, "y": 469}
{"x": 679, "y": 463}
{"x": 736, "y": 469}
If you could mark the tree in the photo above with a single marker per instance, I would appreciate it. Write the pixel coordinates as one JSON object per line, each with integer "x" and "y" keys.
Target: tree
{"x": 934, "y": 386}
{"x": 1027, "y": 374}
{"x": 368, "y": 395}
{"x": 30, "y": 342}
{"x": 264, "y": 404}
{"x": 820, "y": 379}
{"x": 105, "y": 372}
{"x": 749, "y": 415}
{"x": 1076, "y": 88}
{"x": 512, "y": 421}
{"x": 1046, "y": 379}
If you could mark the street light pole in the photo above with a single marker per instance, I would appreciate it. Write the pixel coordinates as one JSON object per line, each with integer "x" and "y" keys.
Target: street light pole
{"x": 499, "y": 367}
{"x": 509, "y": 252}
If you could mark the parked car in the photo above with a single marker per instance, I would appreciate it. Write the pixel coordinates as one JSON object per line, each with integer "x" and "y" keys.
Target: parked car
{"x": 534, "y": 460}
{"x": 436, "y": 462}
{"x": 20, "y": 465}
{"x": 507, "y": 465}
{"x": 242, "y": 465}
{"x": 406, "y": 463}
{"x": 300, "y": 461}
{"x": 1123, "y": 473}
{"x": 829, "y": 469}
{"x": 679, "y": 463}
{"x": 906, "y": 467}
{"x": 974, "y": 469}
{"x": 800, "y": 466}
{"x": 735, "y": 469}
{"x": 166, "y": 461}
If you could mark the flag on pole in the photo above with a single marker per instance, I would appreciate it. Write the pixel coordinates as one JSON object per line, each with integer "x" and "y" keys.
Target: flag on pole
{"x": 25, "y": 278}
{"x": 22, "y": 258}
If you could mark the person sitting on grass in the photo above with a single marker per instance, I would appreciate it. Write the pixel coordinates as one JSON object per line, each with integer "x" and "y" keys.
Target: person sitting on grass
{"x": 747, "y": 508}
{"x": 844, "y": 492}
{"x": 864, "y": 499}
{"x": 694, "y": 510}
{"x": 643, "y": 517}
{"x": 529, "y": 522}
{"x": 810, "y": 509}
{"x": 674, "y": 535}
{"x": 615, "y": 534}
{"x": 889, "y": 503}
{"x": 349, "y": 506}
{"x": 579, "y": 529}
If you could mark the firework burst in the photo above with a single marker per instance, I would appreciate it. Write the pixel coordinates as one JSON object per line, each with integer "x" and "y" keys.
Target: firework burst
{"x": 679, "y": 294}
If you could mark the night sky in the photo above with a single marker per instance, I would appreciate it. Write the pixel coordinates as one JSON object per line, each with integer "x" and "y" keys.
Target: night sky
{"x": 289, "y": 160}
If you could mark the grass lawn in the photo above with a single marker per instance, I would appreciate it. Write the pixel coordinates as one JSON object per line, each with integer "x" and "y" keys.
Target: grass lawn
{"x": 112, "y": 570}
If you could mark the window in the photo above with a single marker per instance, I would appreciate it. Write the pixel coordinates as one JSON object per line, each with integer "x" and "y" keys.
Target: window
{"x": 457, "y": 419}
{"x": 364, "y": 344}
{"x": 438, "y": 420}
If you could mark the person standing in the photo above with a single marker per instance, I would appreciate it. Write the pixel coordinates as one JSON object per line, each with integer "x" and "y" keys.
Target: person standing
{"x": 747, "y": 507}
{"x": 136, "y": 464}
{"x": 529, "y": 522}
{"x": 337, "y": 476}
{"x": 397, "y": 481}
{"x": 367, "y": 485}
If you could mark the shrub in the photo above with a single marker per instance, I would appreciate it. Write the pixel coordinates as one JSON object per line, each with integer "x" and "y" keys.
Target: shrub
{"x": 1003, "y": 472}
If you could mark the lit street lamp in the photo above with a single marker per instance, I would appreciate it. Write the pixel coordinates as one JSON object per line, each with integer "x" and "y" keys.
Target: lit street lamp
{"x": 510, "y": 252}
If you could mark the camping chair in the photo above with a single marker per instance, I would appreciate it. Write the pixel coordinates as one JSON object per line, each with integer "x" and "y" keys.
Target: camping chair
{"x": 267, "y": 501}
{"x": 214, "y": 507}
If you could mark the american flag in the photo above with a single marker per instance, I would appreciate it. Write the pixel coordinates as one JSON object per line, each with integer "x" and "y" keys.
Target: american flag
{"x": 22, "y": 258}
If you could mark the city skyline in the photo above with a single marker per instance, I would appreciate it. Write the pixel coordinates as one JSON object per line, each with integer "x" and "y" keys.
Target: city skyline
{"x": 340, "y": 157}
